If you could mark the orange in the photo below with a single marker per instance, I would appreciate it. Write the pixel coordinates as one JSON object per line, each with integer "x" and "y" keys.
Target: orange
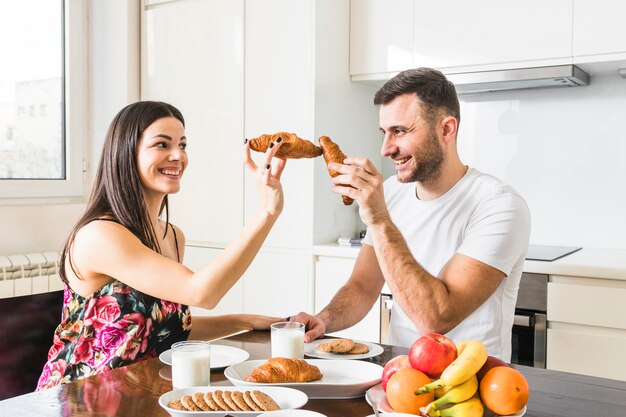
{"x": 504, "y": 390}
{"x": 401, "y": 391}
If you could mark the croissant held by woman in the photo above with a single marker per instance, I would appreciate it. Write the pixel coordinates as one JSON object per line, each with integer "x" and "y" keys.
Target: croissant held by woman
{"x": 293, "y": 147}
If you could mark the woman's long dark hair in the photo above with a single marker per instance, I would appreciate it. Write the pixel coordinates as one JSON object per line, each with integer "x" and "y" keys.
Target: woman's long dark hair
{"x": 117, "y": 192}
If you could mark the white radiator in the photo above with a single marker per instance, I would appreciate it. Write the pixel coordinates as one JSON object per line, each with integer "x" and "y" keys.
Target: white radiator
{"x": 29, "y": 273}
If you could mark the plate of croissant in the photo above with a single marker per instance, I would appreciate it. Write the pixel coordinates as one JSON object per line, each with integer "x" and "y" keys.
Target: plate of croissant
{"x": 318, "y": 378}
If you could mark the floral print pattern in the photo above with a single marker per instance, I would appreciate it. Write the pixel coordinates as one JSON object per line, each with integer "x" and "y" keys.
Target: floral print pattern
{"x": 114, "y": 327}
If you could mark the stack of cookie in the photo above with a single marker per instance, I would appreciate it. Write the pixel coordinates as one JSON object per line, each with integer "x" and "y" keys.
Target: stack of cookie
{"x": 219, "y": 400}
{"x": 345, "y": 346}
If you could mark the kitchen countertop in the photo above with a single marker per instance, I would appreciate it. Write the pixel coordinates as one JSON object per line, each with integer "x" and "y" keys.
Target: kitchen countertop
{"x": 587, "y": 262}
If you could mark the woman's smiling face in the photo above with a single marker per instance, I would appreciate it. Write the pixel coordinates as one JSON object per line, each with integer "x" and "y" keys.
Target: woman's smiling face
{"x": 162, "y": 156}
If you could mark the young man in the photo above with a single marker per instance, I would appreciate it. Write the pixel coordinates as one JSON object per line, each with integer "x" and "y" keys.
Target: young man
{"x": 448, "y": 240}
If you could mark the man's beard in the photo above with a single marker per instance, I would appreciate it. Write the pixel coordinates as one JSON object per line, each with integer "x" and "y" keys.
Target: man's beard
{"x": 427, "y": 163}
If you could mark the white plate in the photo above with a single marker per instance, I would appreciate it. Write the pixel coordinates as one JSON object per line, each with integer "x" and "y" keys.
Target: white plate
{"x": 341, "y": 378}
{"x": 286, "y": 398}
{"x": 383, "y": 406}
{"x": 221, "y": 356}
{"x": 291, "y": 413}
{"x": 310, "y": 349}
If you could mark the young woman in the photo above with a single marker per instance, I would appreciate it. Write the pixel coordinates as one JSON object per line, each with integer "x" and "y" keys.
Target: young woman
{"x": 126, "y": 291}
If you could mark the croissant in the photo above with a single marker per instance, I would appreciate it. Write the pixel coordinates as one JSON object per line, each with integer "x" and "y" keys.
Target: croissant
{"x": 283, "y": 370}
{"x": 293, "y": 147}
{"x": 332, "y": 153}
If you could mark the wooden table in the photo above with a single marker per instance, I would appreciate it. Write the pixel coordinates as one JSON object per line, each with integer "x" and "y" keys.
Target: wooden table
{"x": 134, "y": 391}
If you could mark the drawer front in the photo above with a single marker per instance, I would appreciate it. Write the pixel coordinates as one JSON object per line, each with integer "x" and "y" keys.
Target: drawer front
{"x": 594, "y": 305}
{"x": 587, "y": 352}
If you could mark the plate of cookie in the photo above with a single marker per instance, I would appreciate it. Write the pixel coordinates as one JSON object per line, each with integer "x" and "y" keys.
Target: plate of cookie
{"x": 341, "y": 349}
{"x": 230, "y": 401}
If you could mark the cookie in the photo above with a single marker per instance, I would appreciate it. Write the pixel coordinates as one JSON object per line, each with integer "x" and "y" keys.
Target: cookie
{"x": 226, "y": 396}
{"x": 198, "y": 399}
{"x": 176, "y": 405}
{"x": 217, "y": 397}
{"x": 341, "y": 345}
{"x": 188, "y": 403}
{"x": 208, "y": 399}
{"x": 237, "y": 398}
{"x": 358, "y": 349}
{"x": 264, "y": 401}
{"x": 324, "y": 347}
{"x": 248, "y": 399}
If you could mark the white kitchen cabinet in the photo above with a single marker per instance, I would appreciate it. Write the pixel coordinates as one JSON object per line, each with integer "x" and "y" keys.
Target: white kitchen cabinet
{"x": 278, "y": 284}
{"x": 381, "y": 36}
{"x": 330, "y": 275}
{"x": 192, "y": 57}
{"x": 198, "y": 257}
{"x": 454, "y": 33}
{"x": 586, "y": 327}
{"x": 599, "y": 30}
{"x": 456, "y": 36}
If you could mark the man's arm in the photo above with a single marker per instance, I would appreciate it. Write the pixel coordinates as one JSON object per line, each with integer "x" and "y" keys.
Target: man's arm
{"x": 355, "y": 299}
{"x": 433, "y": 304}
{"x": 351, "y": 303}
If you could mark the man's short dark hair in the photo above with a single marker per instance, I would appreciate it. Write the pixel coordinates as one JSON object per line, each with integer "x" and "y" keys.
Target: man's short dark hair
{"x": 433, "y": 89}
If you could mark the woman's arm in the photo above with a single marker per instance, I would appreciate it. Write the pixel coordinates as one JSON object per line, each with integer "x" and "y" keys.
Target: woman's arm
{"x": 216, "y": 327}
{"x": 104, "y": 250}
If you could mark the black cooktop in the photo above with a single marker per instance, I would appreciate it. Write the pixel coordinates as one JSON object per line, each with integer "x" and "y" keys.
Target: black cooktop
{"x": 549, "y": 253}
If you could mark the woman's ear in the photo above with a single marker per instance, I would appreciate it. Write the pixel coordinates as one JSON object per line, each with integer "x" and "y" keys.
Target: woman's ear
{"x": 449, "y": 127}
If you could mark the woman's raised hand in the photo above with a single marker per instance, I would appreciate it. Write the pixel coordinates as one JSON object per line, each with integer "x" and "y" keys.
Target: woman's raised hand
{"x": 267, "y": 177}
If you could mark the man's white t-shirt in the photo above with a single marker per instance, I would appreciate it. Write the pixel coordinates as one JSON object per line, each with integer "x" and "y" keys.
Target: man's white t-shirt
{"x": 480, "y": 217}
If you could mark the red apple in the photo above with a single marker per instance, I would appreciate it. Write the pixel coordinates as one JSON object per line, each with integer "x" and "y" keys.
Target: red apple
{"x": 394, "y": 364}
{"x": 491, "y": 362}
{"x": 432, "y": 353}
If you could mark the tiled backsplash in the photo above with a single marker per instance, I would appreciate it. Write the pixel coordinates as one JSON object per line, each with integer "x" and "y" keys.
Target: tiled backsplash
{"x": 29, "y": 273}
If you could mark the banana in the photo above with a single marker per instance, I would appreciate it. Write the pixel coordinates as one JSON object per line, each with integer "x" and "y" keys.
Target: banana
{"x": 471, "y": 357}
{"x": 468, "y": 408}
{"x": 456, "y": 394}
{"x": 440, "y": 392}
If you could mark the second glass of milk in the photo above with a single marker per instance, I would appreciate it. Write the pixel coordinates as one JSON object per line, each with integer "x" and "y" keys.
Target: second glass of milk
{"x": 287, "y": 340}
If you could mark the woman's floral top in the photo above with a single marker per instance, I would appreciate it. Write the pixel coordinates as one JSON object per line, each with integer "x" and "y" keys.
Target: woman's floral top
{"x": 114, "y": 327}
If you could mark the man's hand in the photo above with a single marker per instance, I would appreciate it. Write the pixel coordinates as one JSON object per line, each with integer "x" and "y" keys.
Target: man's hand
{"x": 314, "y": 326}
{"x": 360, "y": 180}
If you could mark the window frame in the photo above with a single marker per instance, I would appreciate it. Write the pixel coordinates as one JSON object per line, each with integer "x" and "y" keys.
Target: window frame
{"x": 76, "y": 87}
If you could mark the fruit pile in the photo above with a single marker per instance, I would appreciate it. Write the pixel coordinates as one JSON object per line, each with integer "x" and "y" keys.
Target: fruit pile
{"x": 441, "y": 378}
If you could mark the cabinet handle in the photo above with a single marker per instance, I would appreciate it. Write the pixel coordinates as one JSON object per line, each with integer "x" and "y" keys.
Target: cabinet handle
{"x": 523, "y": 321}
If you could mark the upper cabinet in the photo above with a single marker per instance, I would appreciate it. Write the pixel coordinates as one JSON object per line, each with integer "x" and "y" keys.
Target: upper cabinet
{"x": 599, "y": 30}
{"x": 456, "y": 36}
{"x": 381, "y": 36}
{"x": 454, "y": 33}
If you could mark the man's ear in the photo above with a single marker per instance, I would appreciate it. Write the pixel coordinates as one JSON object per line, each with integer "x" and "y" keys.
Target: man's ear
{"x": 449, "y": 127}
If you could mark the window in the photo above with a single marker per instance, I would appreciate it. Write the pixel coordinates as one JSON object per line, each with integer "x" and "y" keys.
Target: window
{"x": 42, "y": 99}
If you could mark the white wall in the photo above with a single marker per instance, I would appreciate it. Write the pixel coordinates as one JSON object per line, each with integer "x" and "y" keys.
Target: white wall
{"x": 114, "y": 82}
{"x": 564, "y": 150}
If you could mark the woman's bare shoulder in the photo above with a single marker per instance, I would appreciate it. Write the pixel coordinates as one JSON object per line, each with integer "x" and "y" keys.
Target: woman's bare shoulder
{"x": 101, "y": 232}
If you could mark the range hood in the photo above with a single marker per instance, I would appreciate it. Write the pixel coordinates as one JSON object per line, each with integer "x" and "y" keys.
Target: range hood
{"x": 517, "y": 79}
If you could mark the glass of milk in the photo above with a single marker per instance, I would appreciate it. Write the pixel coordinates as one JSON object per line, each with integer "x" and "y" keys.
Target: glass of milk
{"x": 287, "y": 340}
{"x": 191, "y": 364}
